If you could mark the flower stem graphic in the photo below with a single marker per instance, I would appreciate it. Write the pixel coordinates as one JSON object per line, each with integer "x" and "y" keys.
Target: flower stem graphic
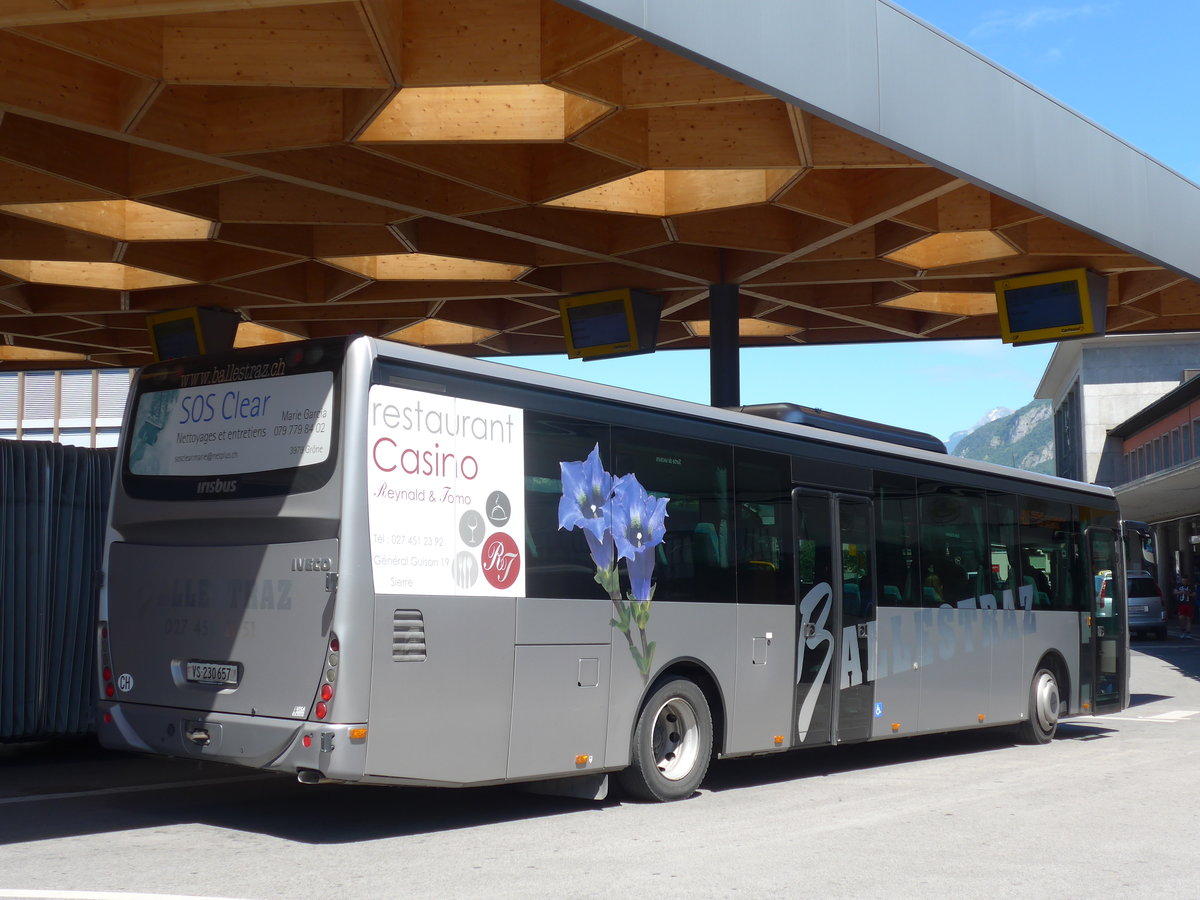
{"x": 620, "y": 521}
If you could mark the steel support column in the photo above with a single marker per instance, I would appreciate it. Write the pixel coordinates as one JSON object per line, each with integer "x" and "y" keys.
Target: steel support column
{"x": 725, "y": 387}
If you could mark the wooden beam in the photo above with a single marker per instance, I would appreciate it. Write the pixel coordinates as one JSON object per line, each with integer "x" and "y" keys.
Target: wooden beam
{"x": 19, "y": 13}
{"x": 350, "y": 172}
{"x": 839, "y": 148}
{"x": 768, "y": 228}
{"x": 471, "y": 42}
{"x": 735, "y": 135}
{"x": 203, "y": 261}
{"x": 624, "y": 136}
{"x": 570, "y": 39}
{"x": 46, "y": 81}
{"x": 86, "y": 159}
{"x": 154, "y": 172}
{"x": 21, "y": 184}
{"x": 26, "y": 239}
{"x": 300, "y": 46}
{"x": 303, "y": 282}
{"x": 134, "y": 45}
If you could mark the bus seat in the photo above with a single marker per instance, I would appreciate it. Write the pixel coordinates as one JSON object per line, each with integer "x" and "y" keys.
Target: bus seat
{"x": 851, "y": 599}
{"x": 892, "y": 596}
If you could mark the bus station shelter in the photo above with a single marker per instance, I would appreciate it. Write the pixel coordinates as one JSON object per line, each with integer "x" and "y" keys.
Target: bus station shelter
{"x": 444, "y": 171}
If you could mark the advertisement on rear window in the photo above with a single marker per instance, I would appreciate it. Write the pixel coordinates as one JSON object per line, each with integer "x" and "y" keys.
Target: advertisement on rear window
{"x": 241, "y": 427}
{"x": 446, "y": 487}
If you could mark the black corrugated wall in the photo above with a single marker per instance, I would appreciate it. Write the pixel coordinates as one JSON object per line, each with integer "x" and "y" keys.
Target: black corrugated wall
{"x": 53, "y": 503}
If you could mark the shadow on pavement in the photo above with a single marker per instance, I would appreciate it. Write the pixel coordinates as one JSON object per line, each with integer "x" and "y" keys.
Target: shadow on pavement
{"x": 77, "y": 788}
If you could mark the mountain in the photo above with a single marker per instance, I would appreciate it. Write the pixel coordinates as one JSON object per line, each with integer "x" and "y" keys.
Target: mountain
{"x": 1023, "y": 439}
{"x": 992, "y": 415}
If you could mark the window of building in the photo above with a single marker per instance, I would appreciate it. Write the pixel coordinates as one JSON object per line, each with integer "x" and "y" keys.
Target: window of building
{"x": 1176, "y": 448}
{"x": 1185, "y": 443}
{"x": 1068, "y": 429}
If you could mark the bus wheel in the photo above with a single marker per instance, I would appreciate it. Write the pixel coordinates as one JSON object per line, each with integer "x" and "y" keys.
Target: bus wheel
{"x": 672, "y": 743}
{"x": 1039, "y": 728}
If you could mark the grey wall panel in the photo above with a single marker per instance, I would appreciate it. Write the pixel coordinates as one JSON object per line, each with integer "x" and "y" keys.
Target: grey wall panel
{"x": 821, "y": 54}
{"x": 873, "y": 67}
{"x": 1173, "y": 215}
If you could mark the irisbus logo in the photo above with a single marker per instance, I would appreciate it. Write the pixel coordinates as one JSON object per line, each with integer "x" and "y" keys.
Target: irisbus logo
{"x": 217, "y": 486}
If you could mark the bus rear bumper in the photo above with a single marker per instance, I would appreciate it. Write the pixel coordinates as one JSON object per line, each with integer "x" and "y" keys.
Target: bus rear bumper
{"x": 337, "y": 752}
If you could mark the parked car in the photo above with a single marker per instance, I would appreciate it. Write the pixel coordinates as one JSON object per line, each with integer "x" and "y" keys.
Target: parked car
{"x": 1147, "y": 611}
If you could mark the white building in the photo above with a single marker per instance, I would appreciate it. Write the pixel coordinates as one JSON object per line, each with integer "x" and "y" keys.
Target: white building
{"x": 1096, "y": 384}
{"x": 78, "y": 407}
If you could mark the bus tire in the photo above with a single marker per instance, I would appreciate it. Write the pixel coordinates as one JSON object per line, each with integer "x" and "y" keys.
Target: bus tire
{"x": 1044, "y": 703}
{"x": 672, "y": 743}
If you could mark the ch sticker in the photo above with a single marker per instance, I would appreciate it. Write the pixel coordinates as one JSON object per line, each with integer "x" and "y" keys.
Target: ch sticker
{"x": 125, "y": 683}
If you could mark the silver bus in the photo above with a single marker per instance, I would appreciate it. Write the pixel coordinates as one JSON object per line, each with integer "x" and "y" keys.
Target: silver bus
{"x": 359, "y": 561}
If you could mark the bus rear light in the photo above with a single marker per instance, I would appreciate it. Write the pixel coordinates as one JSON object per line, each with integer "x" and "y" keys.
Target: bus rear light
{"x": 106, "y": 674}
{"x": 109, "y": 689}
{"x": 306, "y": 741}
{"x": 358, "y": 734}
{"x": 325, "y": 691}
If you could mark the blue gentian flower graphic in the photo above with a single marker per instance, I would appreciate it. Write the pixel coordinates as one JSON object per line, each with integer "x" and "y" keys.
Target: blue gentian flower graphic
{"x": 587, "y": 489}
{"x": 619, "y": 520}
{"x": 639, "y": 525}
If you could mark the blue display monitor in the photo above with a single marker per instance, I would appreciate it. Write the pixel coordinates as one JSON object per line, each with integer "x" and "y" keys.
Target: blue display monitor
{"x": 610, "y": 323}
{"x": 1052, "y": 306}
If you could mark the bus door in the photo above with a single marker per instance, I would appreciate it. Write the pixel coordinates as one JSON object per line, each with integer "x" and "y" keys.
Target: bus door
{"x": 835, "y": 617}
{"x": 1104, "y": 630}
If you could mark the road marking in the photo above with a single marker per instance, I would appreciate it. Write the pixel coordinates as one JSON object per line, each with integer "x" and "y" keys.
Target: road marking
{"x": 98, "y": 895}
{"x": 129, "y": 789}
{"x": 1177, "y": 715}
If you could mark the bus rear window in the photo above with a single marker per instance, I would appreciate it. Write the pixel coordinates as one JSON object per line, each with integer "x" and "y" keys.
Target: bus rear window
{"x": 256, "y": 426}
{"x": 242, "y": 424}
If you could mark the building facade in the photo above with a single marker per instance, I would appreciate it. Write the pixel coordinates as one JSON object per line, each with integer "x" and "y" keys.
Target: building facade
{"x": 77, "y": 407}
{"x": 1127, "y": 414}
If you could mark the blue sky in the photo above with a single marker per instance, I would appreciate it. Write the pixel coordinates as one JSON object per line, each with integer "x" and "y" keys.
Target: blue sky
{"x": 1131, "y": 66}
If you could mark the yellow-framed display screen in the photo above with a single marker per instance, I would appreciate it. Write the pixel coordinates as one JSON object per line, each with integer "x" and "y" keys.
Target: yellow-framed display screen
{"x": 600, "y": 324}
{"x": 1051, "y": 306}
{"x": 176, "y": 333}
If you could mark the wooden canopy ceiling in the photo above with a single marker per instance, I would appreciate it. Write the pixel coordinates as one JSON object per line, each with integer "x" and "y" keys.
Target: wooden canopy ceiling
{"x": 449, "y": 168}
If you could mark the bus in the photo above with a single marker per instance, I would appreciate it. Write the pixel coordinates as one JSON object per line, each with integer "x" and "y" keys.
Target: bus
{"x": 358, "y": 561}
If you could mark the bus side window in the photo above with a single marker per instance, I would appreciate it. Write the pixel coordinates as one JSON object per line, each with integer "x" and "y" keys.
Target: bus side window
{"x": 694, "y": 561}
{"x": 763, "y": 527}
{"x": 558, "y": 562}
{"x": 953, "y": 544}
{"x": 1052, "y": 564}
{"x": 896, "y": 531}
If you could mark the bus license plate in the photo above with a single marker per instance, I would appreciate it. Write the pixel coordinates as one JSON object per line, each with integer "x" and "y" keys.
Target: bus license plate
{"x": 212, "y": 673}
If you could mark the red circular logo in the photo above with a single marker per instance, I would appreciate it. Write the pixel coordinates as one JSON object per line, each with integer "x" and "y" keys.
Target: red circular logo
{"x": 501, "y": 562}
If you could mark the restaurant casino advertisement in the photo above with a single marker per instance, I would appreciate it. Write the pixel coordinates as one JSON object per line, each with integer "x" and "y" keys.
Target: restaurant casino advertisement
{"x": 445, "y": 494}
